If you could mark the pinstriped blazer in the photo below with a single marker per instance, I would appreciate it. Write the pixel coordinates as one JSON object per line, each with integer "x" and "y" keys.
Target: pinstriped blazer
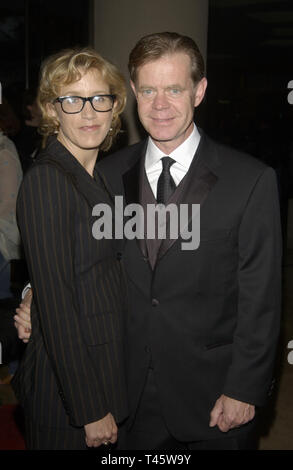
{"x": 73, "y": 369}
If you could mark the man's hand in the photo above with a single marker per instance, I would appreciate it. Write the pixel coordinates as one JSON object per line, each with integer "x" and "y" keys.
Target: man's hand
{"x": 229, "y": 413}
{"x": 23, "y": 317}
{"x": 101, "y": 432}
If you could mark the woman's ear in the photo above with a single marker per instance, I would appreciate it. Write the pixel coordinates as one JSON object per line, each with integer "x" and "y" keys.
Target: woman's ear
{"x": 115, "y": 107}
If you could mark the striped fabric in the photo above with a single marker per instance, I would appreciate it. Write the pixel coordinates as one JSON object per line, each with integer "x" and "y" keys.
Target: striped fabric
{"x": 73, "y": 370}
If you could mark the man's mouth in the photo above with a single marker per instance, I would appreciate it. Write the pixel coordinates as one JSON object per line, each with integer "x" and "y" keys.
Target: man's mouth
{"x": 162, "y": 120}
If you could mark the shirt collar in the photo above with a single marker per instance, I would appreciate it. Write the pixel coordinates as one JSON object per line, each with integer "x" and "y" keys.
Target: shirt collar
{"x": 183, "y": 154}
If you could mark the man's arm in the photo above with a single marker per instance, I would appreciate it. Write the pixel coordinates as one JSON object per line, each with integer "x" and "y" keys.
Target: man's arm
{"x": 259, "y": 279}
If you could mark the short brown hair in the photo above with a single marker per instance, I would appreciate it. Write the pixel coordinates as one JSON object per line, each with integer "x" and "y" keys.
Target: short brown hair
{"x": 155, "y": 46}
{"x": 68, "y": 66}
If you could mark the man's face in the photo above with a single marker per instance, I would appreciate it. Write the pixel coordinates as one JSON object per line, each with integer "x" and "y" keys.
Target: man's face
{"x": 166, "y": 97}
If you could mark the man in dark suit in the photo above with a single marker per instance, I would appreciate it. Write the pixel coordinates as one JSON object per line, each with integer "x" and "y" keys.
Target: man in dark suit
{"x": 203, "y": 325}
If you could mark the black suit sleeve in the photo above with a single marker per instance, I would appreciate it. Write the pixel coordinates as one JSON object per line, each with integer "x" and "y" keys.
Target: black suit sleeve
{"x": 47, "y": 206}
{"x": 259, "y": 282}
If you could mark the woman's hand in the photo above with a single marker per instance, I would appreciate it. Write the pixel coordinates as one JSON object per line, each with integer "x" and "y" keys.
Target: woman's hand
{"x": 101, "y": 432}
{"x": 23, "y": 318}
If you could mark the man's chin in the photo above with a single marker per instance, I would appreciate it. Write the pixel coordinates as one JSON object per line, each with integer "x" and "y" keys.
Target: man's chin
{"x": 169, "y": 136}
{"x": 161, "y": 138}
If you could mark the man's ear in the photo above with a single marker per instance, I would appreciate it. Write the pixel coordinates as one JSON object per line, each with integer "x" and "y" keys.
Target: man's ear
{"x": 133, "y": 88}
{"x": 200, "y": 91}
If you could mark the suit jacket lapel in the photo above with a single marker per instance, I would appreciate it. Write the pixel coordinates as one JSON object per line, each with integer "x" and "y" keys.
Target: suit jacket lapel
{"x": 132, "y": 183}
{"x": 194, "y": 188}
{"x": 196, "y": 185}
{"x": 84, "y": 183}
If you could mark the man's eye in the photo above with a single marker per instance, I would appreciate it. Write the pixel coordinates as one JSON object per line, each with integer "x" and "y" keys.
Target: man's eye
{"x": 147, "y": 92}
{"x": 174, "y": 91}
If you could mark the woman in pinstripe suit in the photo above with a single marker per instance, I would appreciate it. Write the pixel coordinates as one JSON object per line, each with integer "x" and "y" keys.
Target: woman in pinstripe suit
{"x": 71, "y": 379}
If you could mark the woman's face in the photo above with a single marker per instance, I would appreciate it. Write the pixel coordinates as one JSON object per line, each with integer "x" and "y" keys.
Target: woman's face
{"x": 85, "y": 130}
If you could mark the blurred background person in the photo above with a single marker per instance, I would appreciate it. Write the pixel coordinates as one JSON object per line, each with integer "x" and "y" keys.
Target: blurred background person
{"x": 10, "y": 179}
{"x": 28, "y": 140}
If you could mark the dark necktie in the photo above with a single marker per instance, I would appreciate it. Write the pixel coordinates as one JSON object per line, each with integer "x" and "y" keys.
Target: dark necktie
{"x": 166, "y": 185}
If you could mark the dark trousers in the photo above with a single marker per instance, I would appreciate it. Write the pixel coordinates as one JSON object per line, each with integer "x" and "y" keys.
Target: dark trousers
{"x": 149, "y": 431}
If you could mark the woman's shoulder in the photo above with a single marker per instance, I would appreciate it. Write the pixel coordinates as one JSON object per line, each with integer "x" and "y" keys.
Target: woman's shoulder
{"x": 46, "y": 175}
{"x": 42, "y": 168}
{"x": 46, "y": 189}
{"x": 49, "y": 161}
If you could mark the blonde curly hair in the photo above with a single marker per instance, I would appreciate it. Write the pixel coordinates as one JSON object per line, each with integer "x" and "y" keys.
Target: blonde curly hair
{"x": 68, "y": 66}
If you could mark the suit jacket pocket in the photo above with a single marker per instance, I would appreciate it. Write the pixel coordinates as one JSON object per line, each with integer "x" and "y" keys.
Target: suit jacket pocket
{"x": 218, "y": 344}
{"x": 100, "y": 329}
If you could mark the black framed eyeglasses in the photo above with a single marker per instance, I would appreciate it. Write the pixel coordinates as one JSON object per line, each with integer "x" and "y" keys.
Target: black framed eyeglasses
{"x": 75, "y": 104}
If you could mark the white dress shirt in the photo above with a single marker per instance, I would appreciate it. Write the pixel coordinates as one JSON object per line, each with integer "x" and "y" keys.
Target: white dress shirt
{"x": 183, "y": 156}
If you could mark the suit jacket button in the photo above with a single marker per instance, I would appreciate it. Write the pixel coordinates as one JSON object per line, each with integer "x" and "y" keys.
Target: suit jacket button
{"x": 155, "y": 302}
